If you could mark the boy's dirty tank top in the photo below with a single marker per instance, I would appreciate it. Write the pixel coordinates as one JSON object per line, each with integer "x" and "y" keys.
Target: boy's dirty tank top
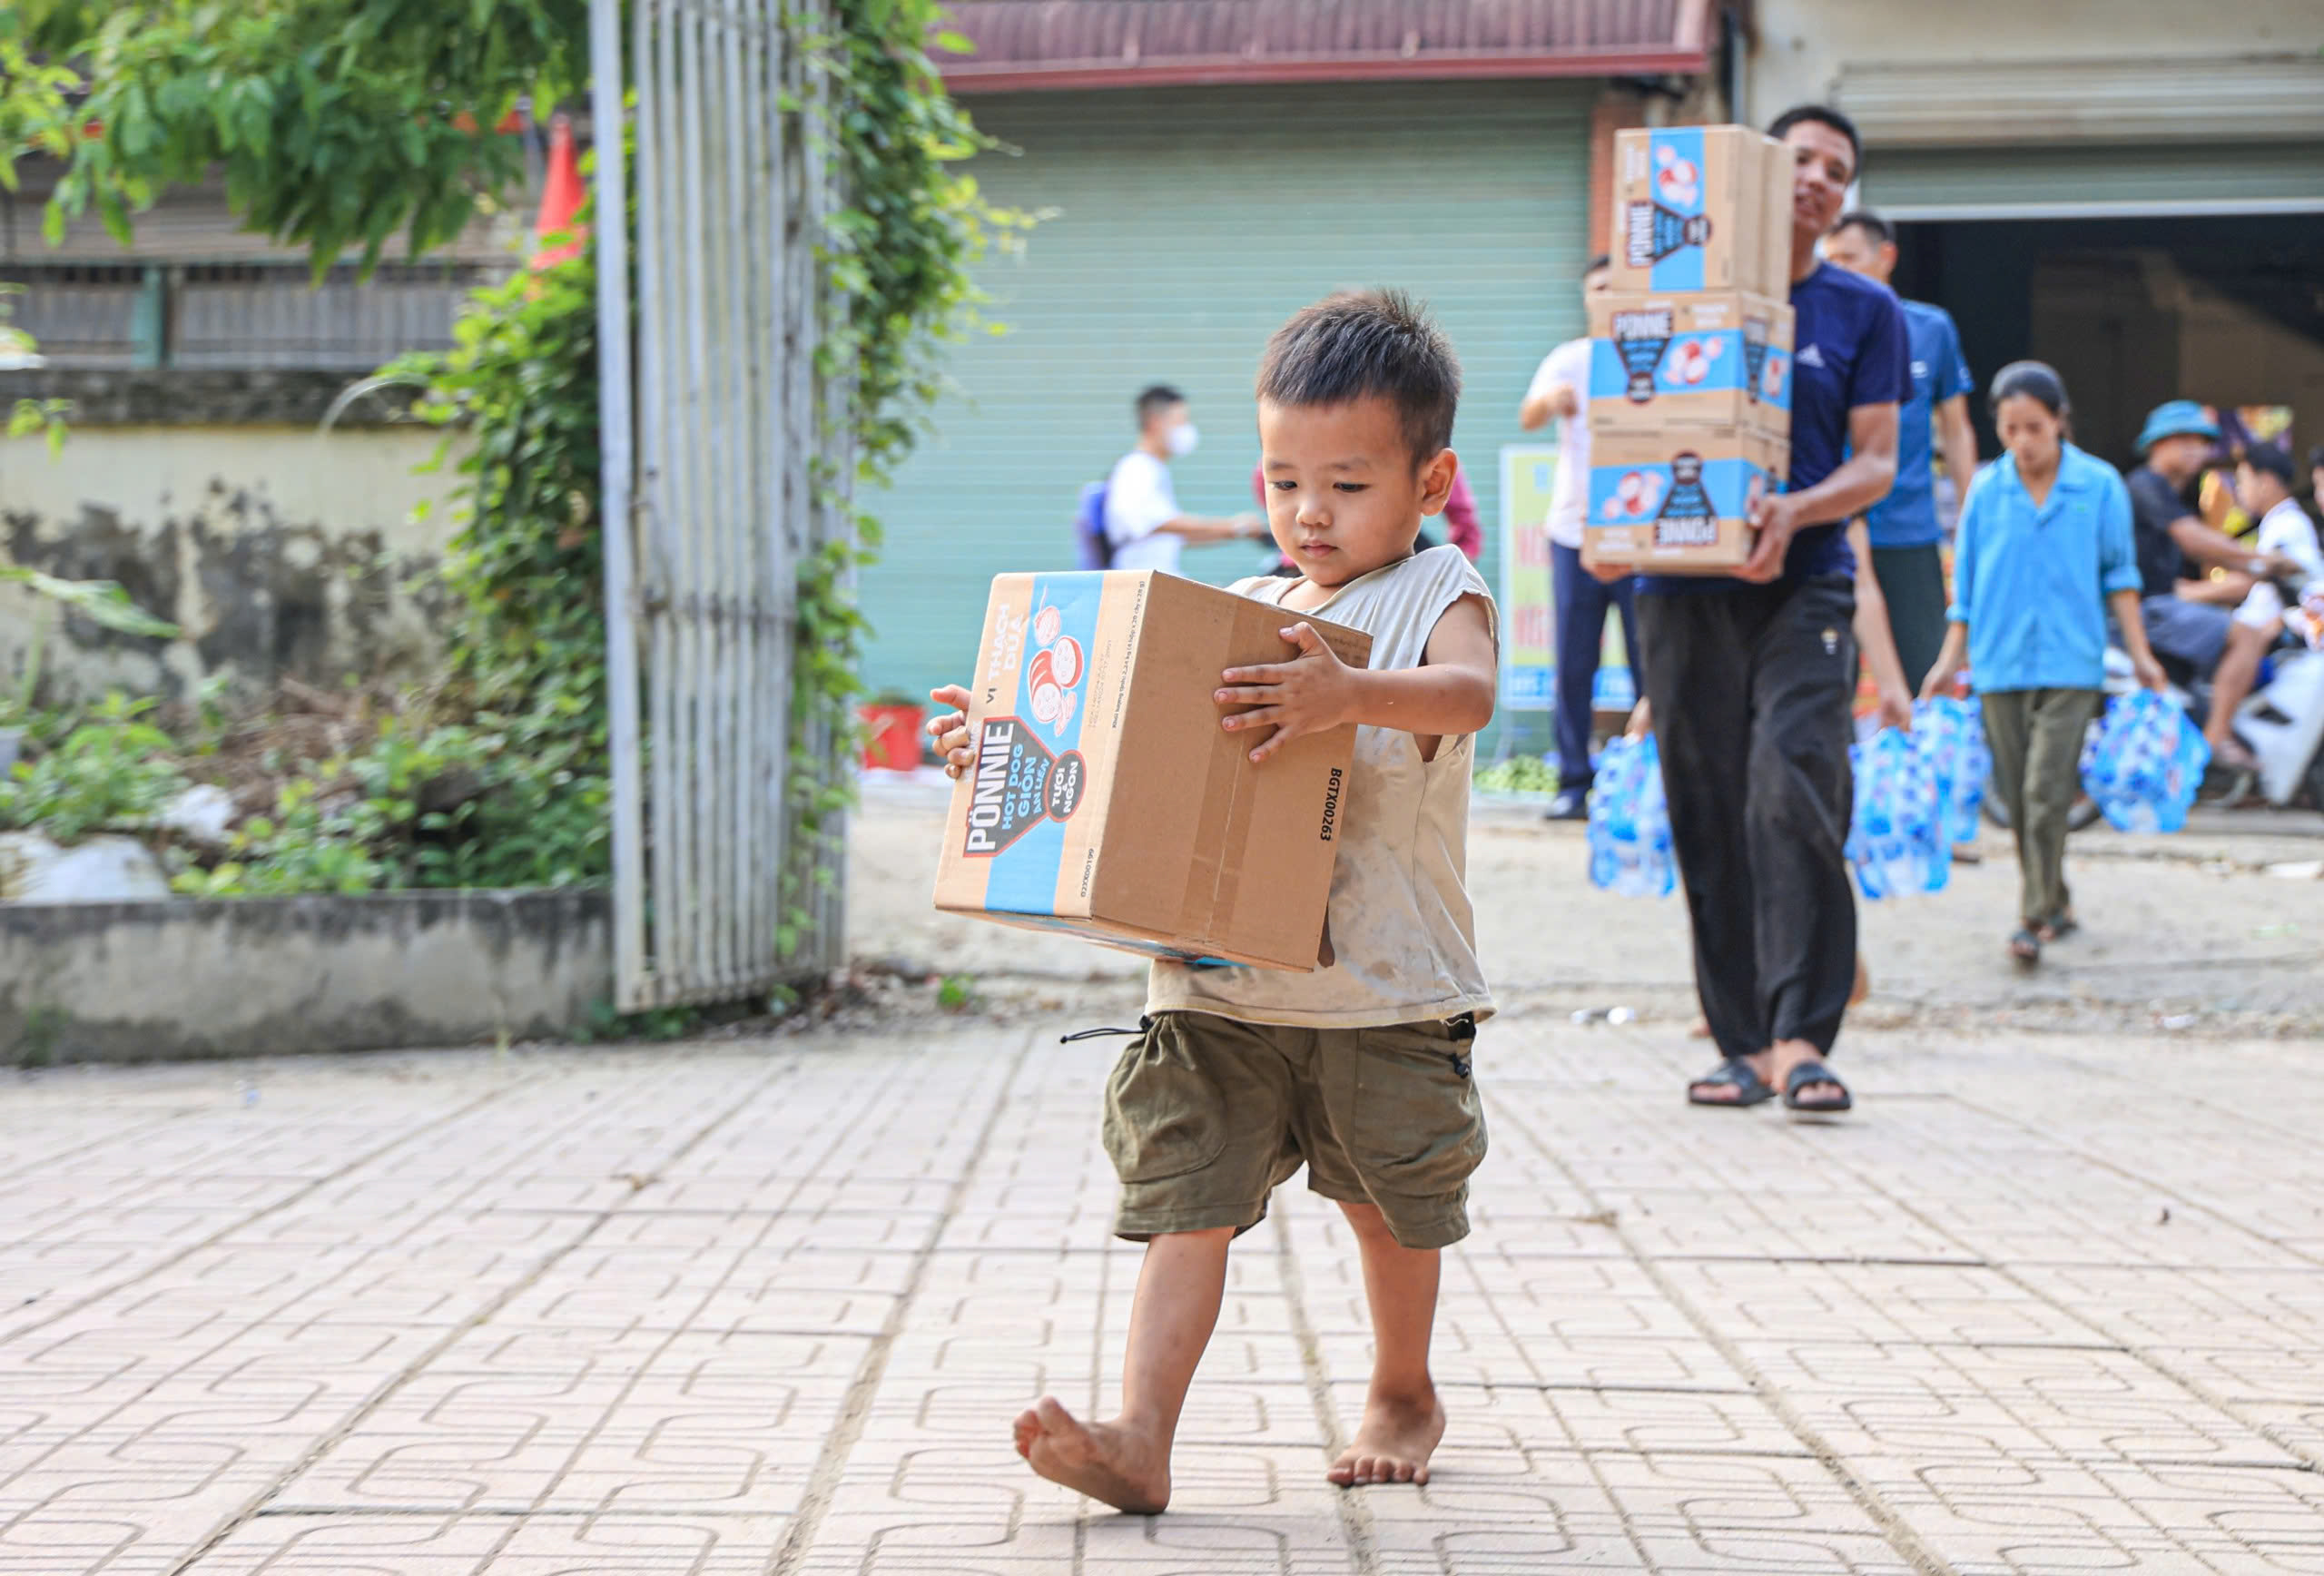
{"x": 1402, "y": 936}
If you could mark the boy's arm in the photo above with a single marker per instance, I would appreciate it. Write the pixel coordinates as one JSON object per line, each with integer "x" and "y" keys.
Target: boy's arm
{"x": 950, "y": 730}
{"x": 1451, "y": 693}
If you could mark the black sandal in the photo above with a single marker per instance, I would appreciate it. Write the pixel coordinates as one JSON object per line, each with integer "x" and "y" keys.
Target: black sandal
{"x": 1750, "y": 1088}
{"x": 2025, "y": 946}
{"x": 2059, "y": 927}
{"x": 1812, "y": 1071}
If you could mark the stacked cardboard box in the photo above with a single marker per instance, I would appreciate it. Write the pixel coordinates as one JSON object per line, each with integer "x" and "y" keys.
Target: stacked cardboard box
{"x": 1689, "y": 404}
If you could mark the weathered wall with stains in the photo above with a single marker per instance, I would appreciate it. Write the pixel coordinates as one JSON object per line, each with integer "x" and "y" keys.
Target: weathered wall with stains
{"x": 277, "y": 548}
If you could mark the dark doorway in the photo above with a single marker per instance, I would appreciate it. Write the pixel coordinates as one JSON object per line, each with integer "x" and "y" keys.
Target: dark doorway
{"x": 2229, "y": 311}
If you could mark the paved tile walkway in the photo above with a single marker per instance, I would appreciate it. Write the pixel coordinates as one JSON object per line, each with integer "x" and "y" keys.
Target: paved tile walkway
{"x": 2044, "y": 1306}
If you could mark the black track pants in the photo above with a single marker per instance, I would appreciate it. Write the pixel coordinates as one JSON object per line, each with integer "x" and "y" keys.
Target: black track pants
{"x": 1751, "y": 686}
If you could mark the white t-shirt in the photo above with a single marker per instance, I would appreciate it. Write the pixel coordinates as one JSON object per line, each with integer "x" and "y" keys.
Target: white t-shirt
{"x": 1139, "y": 498}
{"x": 2285, "y": 529}
{"x": 1568, "y": 367}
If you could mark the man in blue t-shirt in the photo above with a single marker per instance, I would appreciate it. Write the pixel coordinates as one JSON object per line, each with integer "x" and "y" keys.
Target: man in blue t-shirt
{"x": 1749, "y": 678}
{"x": 1906, "y": 556}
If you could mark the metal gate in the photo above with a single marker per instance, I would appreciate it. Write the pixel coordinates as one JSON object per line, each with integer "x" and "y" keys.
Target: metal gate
{"x": 721, "y": 459}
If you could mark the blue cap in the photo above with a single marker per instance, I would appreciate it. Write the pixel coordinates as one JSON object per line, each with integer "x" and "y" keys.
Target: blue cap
{"x": 2177, "y": 418}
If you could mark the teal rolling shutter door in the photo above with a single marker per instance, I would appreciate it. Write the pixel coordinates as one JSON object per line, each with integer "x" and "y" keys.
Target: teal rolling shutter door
{"x": 1188, "y": 225}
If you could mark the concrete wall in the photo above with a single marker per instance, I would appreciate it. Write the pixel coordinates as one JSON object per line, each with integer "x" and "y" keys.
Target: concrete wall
{"x": 276, "y": 549}
{"x": 277, "y": 976}
{"x": 1802, "y": 45}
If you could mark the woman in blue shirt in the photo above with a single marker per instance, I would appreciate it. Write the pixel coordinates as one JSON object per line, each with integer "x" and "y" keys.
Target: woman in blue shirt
{"x": 2044, "y": 549}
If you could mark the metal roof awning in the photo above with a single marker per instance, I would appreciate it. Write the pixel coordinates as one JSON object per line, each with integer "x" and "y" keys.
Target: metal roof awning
{"x": 1037, "y": 45}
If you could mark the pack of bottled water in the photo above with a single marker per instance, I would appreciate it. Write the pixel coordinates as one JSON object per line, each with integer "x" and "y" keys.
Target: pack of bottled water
{"x": 1629, "y": 822}
{"x": 2144, "y": 763}
{"x": 1950, "y": 735}
{"x": 1899, "y": 842}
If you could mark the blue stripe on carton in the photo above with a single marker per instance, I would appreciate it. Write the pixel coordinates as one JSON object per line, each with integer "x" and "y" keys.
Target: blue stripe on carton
{"x": 1681, "y": 501}
{"x": 1637, "y": 365}
{"x": 1139, "y": 944}
{"x": 1666, "y": 234}
{"x": 1029, "y": 775}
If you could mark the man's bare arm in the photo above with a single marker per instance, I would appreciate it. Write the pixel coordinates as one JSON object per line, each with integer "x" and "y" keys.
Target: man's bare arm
{"x": 1563, "y": 401}
{"x": 1958, "y": 438}
{"x": 1857, "y": 483}
{"x": 1203, "y": 529}
{"x": 2215, "y": 549}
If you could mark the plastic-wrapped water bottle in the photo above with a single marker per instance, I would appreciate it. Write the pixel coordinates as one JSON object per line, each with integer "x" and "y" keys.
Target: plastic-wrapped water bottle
{"x": 1897, "y": 840}
{"x": 1972, "y": 770}
{"x": 2144, "y": 763}
{"x": 1949, "y": 733}
{"x": 1629, "y": 822}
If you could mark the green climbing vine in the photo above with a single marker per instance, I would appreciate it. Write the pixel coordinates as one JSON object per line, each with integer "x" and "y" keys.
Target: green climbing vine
{"x": 900, "y": 251}
{"x": 499, "y": 775}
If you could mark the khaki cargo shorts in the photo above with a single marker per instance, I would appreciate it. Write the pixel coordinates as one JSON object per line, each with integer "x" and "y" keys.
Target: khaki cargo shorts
{"x": 1205, "y": 1115}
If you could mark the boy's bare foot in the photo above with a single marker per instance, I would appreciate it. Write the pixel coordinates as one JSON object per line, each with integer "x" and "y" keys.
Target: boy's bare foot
{"x": 1102, "y": 1460}
{"x": 1393, "y": 1446}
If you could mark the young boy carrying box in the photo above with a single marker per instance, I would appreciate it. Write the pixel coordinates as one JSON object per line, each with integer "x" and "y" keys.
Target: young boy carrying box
{"x": 1360, "y": 1070}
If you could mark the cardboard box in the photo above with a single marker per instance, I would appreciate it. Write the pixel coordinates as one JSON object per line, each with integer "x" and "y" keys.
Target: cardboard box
{"x": 1108, "y": 803}
{"x": 1678, "y": 502}
{"x": 1701, "y": 208}
{"x": 1695, "y": 359}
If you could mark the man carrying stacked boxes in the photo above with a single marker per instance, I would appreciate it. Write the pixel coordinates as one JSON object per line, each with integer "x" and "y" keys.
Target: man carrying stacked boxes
{"x": 1691, "y": 359}
{"x": 1744, "y": 399}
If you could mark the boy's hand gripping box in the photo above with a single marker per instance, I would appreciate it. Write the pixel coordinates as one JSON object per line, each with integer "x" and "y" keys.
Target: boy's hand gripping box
{"x": 1700, "y": 359}
{"x": 1108, "y": 803}
{"x": 1678, "y": 502}
{"x": 1701, "y": 208}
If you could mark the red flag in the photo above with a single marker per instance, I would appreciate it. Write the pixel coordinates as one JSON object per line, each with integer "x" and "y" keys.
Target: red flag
{"x": 561, "y": 197}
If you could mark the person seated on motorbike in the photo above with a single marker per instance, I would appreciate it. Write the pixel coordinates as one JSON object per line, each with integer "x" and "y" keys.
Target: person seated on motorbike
{"x": 2184, "y": 619}
{"x": 2264, "y": 480}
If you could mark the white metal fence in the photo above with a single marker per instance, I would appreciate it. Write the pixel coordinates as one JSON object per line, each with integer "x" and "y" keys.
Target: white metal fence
{"x": 720, "y": 455}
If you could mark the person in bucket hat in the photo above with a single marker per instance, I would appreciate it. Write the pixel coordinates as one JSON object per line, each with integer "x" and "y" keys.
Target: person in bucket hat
{"x": 2189, "y": 618}
{"x": 2177, "y": 418}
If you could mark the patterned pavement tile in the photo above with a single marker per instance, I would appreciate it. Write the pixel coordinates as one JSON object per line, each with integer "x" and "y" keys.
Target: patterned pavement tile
{"x": 709, "y": 1309}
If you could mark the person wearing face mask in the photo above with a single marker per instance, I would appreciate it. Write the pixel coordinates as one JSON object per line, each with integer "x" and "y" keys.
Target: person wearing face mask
{"x": 2045, "y": 548}
{"x": 1144, "y": 524}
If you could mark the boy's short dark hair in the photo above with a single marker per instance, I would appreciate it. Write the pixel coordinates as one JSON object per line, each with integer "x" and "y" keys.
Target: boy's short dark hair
{"x": 1155, "y": 399}
{"x": 1359, "y": 343}
{"x": 1823, "y": 115}
{"x": 2272, "y": 459}
{"x": 1871, "y": 223}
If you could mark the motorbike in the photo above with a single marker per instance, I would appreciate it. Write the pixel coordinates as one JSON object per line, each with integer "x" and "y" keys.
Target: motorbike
{"x": 2282, "y": 723}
